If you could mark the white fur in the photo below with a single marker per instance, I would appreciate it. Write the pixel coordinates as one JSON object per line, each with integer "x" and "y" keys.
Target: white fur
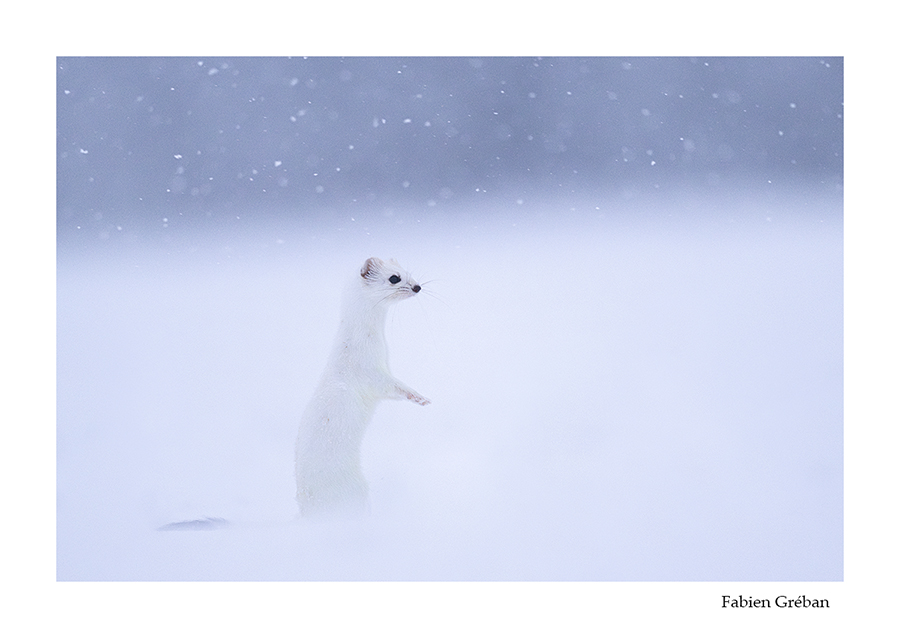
{"x": 356, "y": 378}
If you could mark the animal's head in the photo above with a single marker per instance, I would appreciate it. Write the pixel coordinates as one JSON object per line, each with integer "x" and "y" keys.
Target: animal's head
{"x": 387, "y": 280}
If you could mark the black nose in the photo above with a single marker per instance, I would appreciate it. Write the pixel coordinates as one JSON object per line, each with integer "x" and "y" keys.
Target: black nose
{"x": 417, "y": 288}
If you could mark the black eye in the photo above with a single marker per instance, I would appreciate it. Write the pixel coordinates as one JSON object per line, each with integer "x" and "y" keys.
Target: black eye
{"x": 394, "y": 279}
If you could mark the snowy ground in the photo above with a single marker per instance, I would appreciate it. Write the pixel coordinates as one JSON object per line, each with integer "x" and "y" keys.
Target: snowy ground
{"x": 620, "y": 392}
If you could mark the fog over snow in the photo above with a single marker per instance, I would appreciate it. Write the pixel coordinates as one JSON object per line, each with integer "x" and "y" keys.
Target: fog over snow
{"x": 631, "y": 331}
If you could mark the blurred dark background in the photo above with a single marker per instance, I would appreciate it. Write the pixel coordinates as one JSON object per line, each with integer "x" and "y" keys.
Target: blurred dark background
{"x": 151, "y": 143}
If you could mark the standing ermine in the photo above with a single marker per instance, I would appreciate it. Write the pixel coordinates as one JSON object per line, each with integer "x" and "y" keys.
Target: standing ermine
{"x": 356, "y": 378}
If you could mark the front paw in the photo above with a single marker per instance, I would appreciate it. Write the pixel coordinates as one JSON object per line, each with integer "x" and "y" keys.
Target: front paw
{"x": 418, "y": 398}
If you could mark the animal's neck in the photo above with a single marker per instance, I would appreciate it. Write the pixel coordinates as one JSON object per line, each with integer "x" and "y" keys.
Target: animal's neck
{"x": 363, "y": 315}
{"x": 361, "y": 332}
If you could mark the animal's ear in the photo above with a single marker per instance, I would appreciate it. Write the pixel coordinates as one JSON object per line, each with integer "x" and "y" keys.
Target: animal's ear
{"x": 368, "y": 269}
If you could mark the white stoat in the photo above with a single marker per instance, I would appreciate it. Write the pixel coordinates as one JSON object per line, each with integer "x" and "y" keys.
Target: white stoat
{"x": 356, "y": 378}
